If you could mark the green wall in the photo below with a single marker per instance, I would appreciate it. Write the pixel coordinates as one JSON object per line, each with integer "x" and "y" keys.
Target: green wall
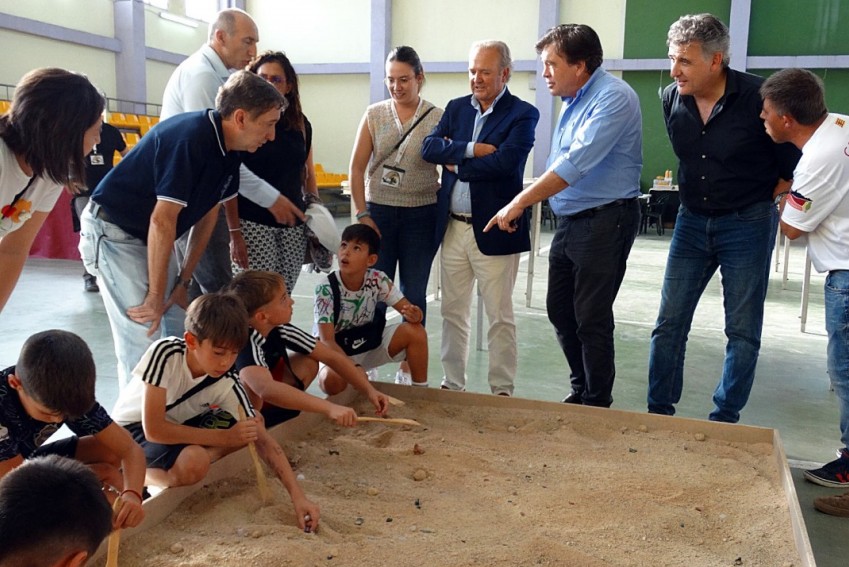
{"x": 647, "y": 21}
{"x": 817, "y": 27}
{"x": 813, "y": 27}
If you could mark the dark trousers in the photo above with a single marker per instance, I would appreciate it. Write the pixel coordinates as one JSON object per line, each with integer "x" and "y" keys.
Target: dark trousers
{"x": 585, "y": 269}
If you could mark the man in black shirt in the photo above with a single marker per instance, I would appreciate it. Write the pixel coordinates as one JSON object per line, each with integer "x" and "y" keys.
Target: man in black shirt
{"x": 97, "y": 164}
{"x": 729, "y": 174}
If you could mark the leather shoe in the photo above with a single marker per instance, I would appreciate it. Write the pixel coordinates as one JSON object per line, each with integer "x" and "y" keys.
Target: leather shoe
{"x": 573, "y": 398}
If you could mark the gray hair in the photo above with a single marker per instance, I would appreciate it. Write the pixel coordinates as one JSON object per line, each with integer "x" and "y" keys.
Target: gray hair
{"x": 798, "y": 93}
{"x": 226, "y": 21}
{"x": 705, "y": 29}
{"x": 249, "y": 92}
{"x": 506, "y": 61}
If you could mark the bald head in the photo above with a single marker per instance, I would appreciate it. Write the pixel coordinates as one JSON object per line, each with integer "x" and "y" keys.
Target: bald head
{"x": 233, "y": 36}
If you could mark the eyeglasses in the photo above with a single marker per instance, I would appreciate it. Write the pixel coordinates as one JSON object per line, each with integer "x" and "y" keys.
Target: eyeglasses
{"x": 403, "y": 81}
{"x": 273, "y": 79}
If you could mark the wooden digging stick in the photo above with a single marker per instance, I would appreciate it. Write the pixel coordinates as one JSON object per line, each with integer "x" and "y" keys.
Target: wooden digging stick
{"x": 261, "y": 481}
{"x": 389, "y": 420}
{"x": 114, "y": 538}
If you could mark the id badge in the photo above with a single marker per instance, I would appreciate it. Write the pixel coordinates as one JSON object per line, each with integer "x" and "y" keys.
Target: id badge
{"x": 97, "y": 159}
{"x": 391, "y": 176}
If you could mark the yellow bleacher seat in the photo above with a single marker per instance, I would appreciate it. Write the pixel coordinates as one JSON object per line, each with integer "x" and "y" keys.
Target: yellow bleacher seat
{"x": 324, "y": 180}
{"x": 131, "y": 138}
{"x": 4, "y": 106}
{"x": 125, "y": 121}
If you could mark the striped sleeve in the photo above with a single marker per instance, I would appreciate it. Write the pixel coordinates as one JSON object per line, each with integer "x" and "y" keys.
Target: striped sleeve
{"x": 296, "y": 339}
{"x": 252, "y": 353}
{"x": 153, "y": 366}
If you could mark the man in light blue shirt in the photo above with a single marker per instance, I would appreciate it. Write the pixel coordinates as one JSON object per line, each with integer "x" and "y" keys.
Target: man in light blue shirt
{"x": 592, "y": 180}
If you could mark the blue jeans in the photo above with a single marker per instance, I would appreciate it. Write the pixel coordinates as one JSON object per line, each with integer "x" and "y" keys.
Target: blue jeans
{"x": 120, "y": 262}
{"x": 837, "y": 327}
{"x": 740, "y": 245}
{"x": 586, "y": 265}
{"x": 407, "y": 235}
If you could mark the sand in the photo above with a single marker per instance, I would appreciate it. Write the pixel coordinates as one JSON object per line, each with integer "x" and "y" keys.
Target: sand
{"x": 497, "y": 487}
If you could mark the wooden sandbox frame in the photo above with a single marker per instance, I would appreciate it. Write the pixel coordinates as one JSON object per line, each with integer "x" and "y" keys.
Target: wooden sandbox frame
{"x": 163, "y": 504}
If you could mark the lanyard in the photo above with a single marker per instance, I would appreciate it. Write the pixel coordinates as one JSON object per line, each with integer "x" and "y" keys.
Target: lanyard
{"x": 400, "y": 126}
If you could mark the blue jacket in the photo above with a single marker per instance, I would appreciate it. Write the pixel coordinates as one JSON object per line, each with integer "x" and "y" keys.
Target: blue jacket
{"x": 494, "y": 179}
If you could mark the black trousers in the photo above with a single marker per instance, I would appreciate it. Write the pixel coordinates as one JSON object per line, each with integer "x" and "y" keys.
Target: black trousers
{"x": 585, "y": 269}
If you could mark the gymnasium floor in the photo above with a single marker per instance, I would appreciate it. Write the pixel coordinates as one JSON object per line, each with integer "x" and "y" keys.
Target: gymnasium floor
{"x": 791, "y": 391}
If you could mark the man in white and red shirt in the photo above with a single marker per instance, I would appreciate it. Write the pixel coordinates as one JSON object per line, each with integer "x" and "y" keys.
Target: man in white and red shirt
{"x": 818, "y": 209}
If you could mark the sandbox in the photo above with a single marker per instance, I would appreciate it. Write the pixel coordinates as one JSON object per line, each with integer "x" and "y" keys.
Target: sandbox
{"x": 493, "y": 481}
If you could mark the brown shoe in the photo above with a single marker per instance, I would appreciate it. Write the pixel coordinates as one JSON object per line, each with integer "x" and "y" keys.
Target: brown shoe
{"x": 833, "y": 505}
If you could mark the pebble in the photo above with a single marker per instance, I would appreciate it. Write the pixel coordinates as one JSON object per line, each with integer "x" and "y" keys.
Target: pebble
{"x": 426, "y": 531}
{"x": 177, "y": 548}
{"x": 372, "y": 491}
{"x": 722, "y": 517}
{"x": 302, "y": 444}
{"x": 241, "y": 532}
{"x": 300, "y": 476}
{"x": 699, "y": 436}
{"x": 388, "y": 520}
{"x": 256, "y": 534}
{"x": 332, "y": 553}
{"x": 417, "y": 450}
{"x": 359, "y": 522}
{"x": 642, "y": 429}
{"x": 419, "y": 474}
{"x": 631, "y": 450}
{"x": 512, "y": 429}
{"x": 418, "y": 504}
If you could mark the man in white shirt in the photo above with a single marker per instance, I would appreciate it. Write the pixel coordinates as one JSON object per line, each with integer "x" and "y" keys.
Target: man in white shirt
{"x": 232, "y": 43}
{"x": 818, "y": 209}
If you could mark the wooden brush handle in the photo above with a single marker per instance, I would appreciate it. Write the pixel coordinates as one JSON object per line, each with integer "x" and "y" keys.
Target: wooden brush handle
{"x": 389, "y": 420}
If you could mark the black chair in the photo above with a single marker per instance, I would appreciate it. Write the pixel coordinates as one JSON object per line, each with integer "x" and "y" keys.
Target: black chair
{"x": 654, "y": 213}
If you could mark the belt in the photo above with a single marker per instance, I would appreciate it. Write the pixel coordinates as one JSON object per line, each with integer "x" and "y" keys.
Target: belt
{"x": 591, "y": 212}
{"x": 462, "y": 218}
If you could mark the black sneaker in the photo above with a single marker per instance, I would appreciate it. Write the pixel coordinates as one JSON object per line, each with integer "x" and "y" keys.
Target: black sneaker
{"x": 834, "y": 474}
{"x": 90, "y": 283}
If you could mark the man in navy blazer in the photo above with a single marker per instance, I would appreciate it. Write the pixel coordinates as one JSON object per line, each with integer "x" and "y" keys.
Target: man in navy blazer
{"x": 482, "y": 142}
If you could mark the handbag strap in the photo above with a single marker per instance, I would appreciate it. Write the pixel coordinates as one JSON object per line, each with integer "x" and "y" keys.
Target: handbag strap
{"x": 203, "y": 384}
{"x": 400, "y": 141}
{"x": 337, "y": 296}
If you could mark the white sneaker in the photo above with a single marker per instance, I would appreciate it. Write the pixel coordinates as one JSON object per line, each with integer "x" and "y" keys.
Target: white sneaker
{"x": 372, "y": 374}
{"x": 403, "y": 378}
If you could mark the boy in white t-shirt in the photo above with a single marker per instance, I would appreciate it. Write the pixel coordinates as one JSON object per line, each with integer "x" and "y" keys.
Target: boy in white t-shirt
{"x": 818, "y": 208}
{"x": 347, "y": 308}
{"x": 183, "y": 403}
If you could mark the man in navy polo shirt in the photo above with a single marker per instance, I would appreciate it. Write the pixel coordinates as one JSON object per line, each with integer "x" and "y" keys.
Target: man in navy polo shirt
{"x": 171, "y": 184}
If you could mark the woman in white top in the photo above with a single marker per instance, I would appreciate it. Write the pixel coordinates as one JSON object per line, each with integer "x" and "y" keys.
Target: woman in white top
{"x": 393, "y": 188}
{"x": 53, "y": 122}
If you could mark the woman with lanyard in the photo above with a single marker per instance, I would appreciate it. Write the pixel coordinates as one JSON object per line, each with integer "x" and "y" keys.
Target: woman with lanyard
{"x": 393, "y": 188}
{"x": 53, "y": 122}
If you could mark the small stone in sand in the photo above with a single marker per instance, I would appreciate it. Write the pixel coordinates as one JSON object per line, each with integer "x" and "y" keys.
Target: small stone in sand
{"x": 177, "y": 548}
{"x": 372, "y": 491}
{"x": 419, "y": 474}
{"x": 699, "y": 436}
{"x": 642, "y": 429}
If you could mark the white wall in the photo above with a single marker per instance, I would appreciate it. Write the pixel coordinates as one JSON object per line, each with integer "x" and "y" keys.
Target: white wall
{"x": 32, "y": 52}
{"x": 315, "y": 32}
